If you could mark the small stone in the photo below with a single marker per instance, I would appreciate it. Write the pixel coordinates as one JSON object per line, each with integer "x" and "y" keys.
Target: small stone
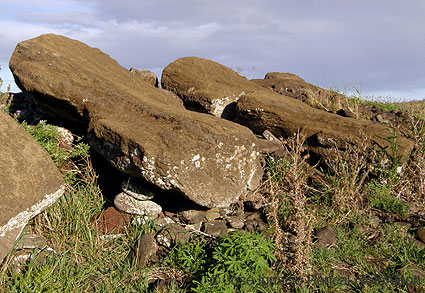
{"x": 31, "y": 241}
{"x": 416, "y": 271}
{"x": 193, "y": 216}
{"x": 252, "y": 216}
{"x": 379, "y": 118}
{"x": 111, "y": 221}
{"x": 420, "y": 233}
{"x": 345, "y": 113}
{"x": 270, "y": 136}
{"x": 196, "y": 226}
{"x": 403, "y": 226}
{"x": 416, "y": 242}
{"x": 173, "y": 234}
{"x": 145, "y": 75}
{"x": 66, "y": 138}
{"x": 236, "y": 222}
{"x": 212, "y": 214}
{"x": 164, "y": 221}
{"x": 326, "y": 236}
{"x": 43, "y": 255}
{"x": 22, "y": 257}
{"x": 253, "y": 222}
{"x": 136, "y": 190}
{"x": 266, "y": 146}
{"x": 143, "y": 252}
{"x": 130, "y": 205}
{"x": 253, "y": 205}
{"x": 216, "y": 228}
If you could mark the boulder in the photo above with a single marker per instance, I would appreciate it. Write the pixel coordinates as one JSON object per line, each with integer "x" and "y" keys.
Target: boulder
{"x": 141, "y": 130}
{"x": 291, "y": 85}
{"x": 206, "y": 86}
{"x": 30, "y": 181}
{"x": 262, "y": 109}
{"x": 146, "y": 76}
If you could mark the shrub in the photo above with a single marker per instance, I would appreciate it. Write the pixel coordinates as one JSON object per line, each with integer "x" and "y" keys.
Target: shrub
{"x": 235, "y": 262}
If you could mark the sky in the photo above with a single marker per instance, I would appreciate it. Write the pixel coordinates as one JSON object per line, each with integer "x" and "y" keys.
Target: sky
{"x": 375, "y": 47}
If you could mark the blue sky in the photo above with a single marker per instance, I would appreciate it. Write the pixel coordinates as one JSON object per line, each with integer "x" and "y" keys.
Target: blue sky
{"x": 375, "y": 46}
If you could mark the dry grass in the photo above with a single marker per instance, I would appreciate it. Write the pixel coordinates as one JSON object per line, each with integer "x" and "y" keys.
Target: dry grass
{"x": 292, "y": 188}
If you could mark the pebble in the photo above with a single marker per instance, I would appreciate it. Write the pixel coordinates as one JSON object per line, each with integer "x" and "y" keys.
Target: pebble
{"x": 130, "y": 205}
{"x": 136, "y": 190}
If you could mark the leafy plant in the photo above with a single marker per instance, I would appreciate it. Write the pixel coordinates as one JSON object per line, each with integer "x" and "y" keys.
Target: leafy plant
{"x": 238, "y": 261}
{"x": 190, "y": 257}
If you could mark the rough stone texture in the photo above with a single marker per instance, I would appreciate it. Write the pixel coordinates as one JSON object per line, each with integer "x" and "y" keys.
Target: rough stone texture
{"x": 193, "y": 216}
{"x": 262, "y": 109}
{"x": 323, "y": 131}
{"x": 173, "y": 234}
{"x": 136, "y": 190}
{"x": 205, "y": 86}
{"x": 130, "y": 205}
{"x": 215, "y": 227}
{"x": 420, "y": 233}
{"x": 30, "y": 181}
{"x": 326, "y": 236}
{"x": 141, "y": 130}
{"x": 144, "y": 250}
{"x": 212, "y": 214}
{"x": 293, "y": 86}
{"x": 31, "y": 241}
{"x": 145, "y": 75}
{"x": 111, "y": 221}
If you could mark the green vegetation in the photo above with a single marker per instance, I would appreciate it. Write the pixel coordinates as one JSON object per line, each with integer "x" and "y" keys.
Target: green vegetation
{"x": 365, "y": 197}
{"x": 381, "y": 199}
{"x": 5, "y": 98}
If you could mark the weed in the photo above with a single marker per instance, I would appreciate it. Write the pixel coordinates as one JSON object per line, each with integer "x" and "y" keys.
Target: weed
{"x": 287, "y": 187}
{"x": 5, "y": 98}
{"x": 238, "y": 260}
{"x": 190, "y": 257}
{"x": 381, "y": 199}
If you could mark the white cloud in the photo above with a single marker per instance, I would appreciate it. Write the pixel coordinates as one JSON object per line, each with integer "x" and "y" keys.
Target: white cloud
{"x": 373, "y": 44}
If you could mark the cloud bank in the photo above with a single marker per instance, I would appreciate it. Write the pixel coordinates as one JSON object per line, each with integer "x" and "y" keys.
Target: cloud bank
{"x": 375, "y": 46}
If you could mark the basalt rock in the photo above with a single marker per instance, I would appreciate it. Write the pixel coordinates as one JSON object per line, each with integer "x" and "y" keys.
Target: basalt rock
{"x": 141, "y": 130}
{"x": 291, "y": 85}
{"x": 30, "y": 181}
{"x": 262, "y": 109}
{"x": 146, "y": 76}
{"x": 206, "y": 86}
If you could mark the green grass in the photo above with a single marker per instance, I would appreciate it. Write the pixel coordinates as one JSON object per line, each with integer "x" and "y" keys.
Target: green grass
{"x": 383, "y": 254}
{"x": 370, "y": 245}
{"x": 83, "y": 262}
{"x": 381, "y": 199}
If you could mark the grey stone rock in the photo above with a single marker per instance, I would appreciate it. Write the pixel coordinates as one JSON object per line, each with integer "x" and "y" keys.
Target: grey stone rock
{"x": 144, "y": 251}
{"x": 140, "y": 130}
{"x": 420, "y": 233}
{"x": 31, "y": 241}
{"x": 193, "y": 216}
{"x": 212, "y": 214}
{"x": 130, "y": 205}
{"x": 172, "y": 234}
{"x": 136, "y": 190}
{"x": 215, "y": 227}
{"x": 326, "y": 236}
{"x": 236, "y": 222}
{"x": 30, "y": 181}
